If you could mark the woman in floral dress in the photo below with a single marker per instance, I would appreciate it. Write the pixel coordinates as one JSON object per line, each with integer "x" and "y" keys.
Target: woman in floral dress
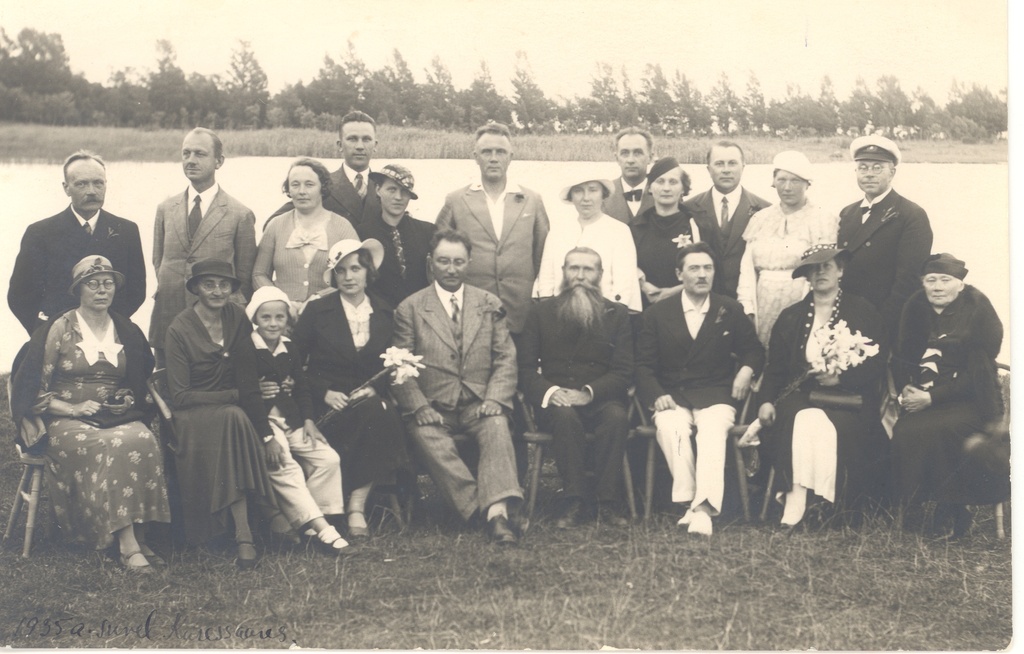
{"x": 776, "y": 237}
{"x": 105, "y": 483}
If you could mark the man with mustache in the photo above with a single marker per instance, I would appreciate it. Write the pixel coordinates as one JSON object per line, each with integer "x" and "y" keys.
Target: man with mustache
{"x": 696, "y": 357}
{"x": 52, "y": 247}
{"x": 575, "y": 366}
{"x": 204, "y": 222}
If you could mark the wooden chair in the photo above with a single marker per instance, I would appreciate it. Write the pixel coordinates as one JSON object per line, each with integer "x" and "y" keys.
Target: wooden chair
{"x": 540, "y": 440}
{"x": 28, "y": 493}
{"x": 1004, "y": 387}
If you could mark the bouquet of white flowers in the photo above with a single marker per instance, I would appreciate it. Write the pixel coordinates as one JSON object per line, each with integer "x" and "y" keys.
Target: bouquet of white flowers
{"x": 834, "y": 349}
{"x": 404, "y": 364}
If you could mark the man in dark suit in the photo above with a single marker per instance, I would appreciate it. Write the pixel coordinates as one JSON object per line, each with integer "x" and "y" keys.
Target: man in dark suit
{"x": 575, "y": 366}
{"x": 353, "y": 193}
{"x": 467, "y": 386}
{"x": 688, "y": 352}
{"x": 506, "y": 224}
{"x": 203, "y": 222}
{"x": 729, "y": 206}
{"x": 888, "y": 236}
{"x": 634, "y": 148}
{"x": 51, "y": 248}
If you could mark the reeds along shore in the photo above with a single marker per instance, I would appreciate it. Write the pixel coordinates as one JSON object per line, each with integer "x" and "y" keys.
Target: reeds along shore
{"x": 26, "y": 143}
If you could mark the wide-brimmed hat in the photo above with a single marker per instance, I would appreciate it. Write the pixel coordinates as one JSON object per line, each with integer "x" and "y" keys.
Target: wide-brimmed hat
{"x": 347, "y": 246}
{"x": 875, "y": 148}
{"x": 90, "y": 267}
{"x": 212, "y": 268}
{"x": 265, "y": 294}
{"x": 398, "y": 174}
{"x": 793, "y": 162}
{"x": 819, "y": 254}
{"x": 660, "y": 167}
{"x": 566, "y": 193}
{"x": 945, "y": 264}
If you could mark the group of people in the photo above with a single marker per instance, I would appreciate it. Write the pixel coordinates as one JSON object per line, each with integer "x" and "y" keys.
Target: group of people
{"x": 273, "y": 354}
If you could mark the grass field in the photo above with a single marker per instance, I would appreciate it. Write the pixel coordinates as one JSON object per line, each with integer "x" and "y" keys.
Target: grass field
{"x": 23, "y": 143}
{"x": 438, "y": 585}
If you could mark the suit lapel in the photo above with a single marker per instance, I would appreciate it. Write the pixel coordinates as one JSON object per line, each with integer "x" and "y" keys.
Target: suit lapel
{"x": 615, "y": 204}
{"x": 739, "y": 221}
{"x": 872, "y": 224}
{"x": 340, "y": 322}
{"x": 177, "y": 220}
{"x": 706, "y": 328}
{"x": 677, "y": 327}
{"x": 514, "y": 205}
{"x": 379, "y": 332}
{"x": 471, "y": 317}
{"x": 478, "y": 207}
{"x": 437, "y": 317}
{"x": 347, "y": 196}
{"x": 213, "y": 216}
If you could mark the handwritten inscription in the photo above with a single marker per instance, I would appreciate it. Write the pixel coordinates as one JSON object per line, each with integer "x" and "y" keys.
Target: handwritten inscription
{"x": 152, "y": 627}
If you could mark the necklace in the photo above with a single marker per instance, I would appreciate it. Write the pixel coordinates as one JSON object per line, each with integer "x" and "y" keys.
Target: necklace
{"x": 835, "y": 311}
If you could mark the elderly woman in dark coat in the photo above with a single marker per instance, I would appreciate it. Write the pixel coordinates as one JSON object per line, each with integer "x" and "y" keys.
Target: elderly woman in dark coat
{"x": 340, "y": 338}
{"x": 944, "y": 363}
{"x": 829, "y": 447}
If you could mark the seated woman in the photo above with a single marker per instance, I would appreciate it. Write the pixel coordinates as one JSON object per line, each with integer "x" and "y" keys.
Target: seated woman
{"x": 219, "y": 422}
{"x": 826, "y": 447}
{"x": 944, "y": 362}
{"x": 79, "y": 368}
{"x": 305, "y": 471}
{"x": 293, "y": 249}
{"x": 340, "y": 338}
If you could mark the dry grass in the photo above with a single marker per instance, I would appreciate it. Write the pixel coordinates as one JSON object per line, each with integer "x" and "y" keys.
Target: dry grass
{"x": 39, "y": 143}
{"x": 438, "y": 585}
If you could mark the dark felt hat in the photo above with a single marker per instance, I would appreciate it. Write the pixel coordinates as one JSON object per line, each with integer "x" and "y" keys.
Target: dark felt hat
{"x": 212, "y": 268}
{"x": 945, "y": 264}
{"x": 819, "y": 254}
{"x": 660, "y": 167}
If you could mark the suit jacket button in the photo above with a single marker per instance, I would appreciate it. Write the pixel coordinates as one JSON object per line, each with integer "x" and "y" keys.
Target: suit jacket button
{"x": 190, "y": 260}
{"x": 868, "y": 244}
{"x": 845, "y": 243}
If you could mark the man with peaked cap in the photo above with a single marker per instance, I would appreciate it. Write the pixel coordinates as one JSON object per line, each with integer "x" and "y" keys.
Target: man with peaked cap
{"x": 888, "y": 236}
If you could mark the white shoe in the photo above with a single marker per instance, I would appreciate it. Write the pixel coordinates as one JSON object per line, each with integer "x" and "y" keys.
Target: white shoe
{"x": 685, "y": 520}
{"x": 700, "y": 523}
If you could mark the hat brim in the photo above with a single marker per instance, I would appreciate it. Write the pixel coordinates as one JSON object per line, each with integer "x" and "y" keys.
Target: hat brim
{"x": 566, "y": 193}
{"x": 118, "y": 280}
{"x": 190, "y": 285}
{"x": 379, "y": 178}
{"x": 820, "y": 256}
{"x": 371, "y": 245}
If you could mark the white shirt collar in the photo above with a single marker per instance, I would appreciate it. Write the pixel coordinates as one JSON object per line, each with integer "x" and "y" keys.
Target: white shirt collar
{"x": 626, "y": 188}
{"x": 351, "y": 174}
{"x": 510, "y": 187}
{"x": 445, "y": 296}
{"x": 206, "y": 197}
{"x": 865, "y": 204}
{"x": 733, "y": 196}
{"x": 260, "y": 344}
{"x": 690, "y": 306}
{"x": 83, "y": 221}
{"x": 356, "y": 313}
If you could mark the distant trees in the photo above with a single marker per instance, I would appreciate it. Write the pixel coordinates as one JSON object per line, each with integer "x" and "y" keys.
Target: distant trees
{"x": 37, "y": 84}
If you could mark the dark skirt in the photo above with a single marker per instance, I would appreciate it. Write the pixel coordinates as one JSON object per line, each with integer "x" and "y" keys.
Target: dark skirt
{"x": 370, "y": 440}
{"x": 930, "y": 461}
{"x": 861, "y": 449}
{"x": 220, "y": 460}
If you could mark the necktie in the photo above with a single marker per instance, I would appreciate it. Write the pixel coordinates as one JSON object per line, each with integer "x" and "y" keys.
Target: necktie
{"x": 456, "y": 327}
{"x": 88, "y": 228}
{"x": 195, "y": 217}
{"x": 396, "y": 239}
{"x": 360, "y": 189}
{"x": 455, "y": 310}
{"x": 634, "y": 195}
{"x": 725, "y": 213}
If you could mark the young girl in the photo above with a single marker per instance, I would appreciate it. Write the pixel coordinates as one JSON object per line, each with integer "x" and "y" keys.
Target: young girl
{"x": 304, "y": 469}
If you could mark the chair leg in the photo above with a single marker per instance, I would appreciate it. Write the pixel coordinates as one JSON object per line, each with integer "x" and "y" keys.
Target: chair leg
{"x": 627, "y": 478}
{"x": 396, "y": 509}
{"x": 33, "y": 507}
{"x": 535, "y": 466}
{"x": 19, "y": 500}
{"x": 741, "y": 477}
{"x": 1000, "y": 530}
{"x": 767, "y": 494}
{"x": 649, "y": 481}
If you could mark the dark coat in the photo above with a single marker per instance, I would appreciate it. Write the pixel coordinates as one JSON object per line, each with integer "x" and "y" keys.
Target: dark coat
{"x": 730, "y": 245}
{"x": 971, "y": 337}
{"x": 323, "y": 343}
{"x": 550, "y": 354}
{"x": 344, "y": 200}
{"x": 277, "y": 369}
{"x": 887, "y": 253}
{"x": 415, "y": 235}
{"x": 52, "y": 247}
{"x": 697, "y": 373}
{"x": 655, "y": 250}
{"x": 615, "y": 205}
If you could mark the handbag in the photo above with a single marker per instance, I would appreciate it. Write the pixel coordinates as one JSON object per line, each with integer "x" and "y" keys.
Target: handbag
{"x": 827, "y": 398}
{"x": 106, "y": 420}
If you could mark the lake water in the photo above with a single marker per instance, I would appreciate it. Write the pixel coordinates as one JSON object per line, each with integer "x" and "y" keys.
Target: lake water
{"x": 968, "y": 205}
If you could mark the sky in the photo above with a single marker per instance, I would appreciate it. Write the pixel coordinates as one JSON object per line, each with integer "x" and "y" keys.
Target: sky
{"x": 924, "y": 43}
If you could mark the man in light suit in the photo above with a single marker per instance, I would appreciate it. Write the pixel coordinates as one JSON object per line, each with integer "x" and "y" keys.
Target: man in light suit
{"x": 888, "y": 236}
{"x": 506, "y": 224}
{"x": 634, "y": 148}
{"x": 467, "y": 386}
{"x": 353, "y": 191}
{"x": 729, "y": 207}
{"x": 51, "y": 248}
{"x": 688, "y": 353}
{"x": 204, "y": 222}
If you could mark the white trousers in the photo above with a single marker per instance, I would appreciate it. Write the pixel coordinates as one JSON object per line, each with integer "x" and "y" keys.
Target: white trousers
{"x": 308, "y": 483}
{"x": 690, "y": 482}
{"x": 814, "y": 453}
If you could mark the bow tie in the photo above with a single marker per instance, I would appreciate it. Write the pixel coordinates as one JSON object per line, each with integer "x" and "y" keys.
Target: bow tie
{"x": 633, "y": 196}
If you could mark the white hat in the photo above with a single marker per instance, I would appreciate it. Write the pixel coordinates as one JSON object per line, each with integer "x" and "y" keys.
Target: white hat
{"x": 265, "y": 294}
{"x": 347, "y": 246}
{"x": 875, "y": 148}
{"x": 793, "y": 162}
{"x": 566, "y": 193}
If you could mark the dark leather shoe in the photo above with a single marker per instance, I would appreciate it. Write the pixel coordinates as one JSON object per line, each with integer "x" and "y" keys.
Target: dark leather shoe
{"x": 501, "y": 532}
{"x": 612, "y": 516}
{"x": 572, "y": 516}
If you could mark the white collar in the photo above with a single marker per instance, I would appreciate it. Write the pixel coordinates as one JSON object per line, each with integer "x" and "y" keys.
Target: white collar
{"x": 445, "y": 296}
{"x": 733, "y": 196}
{"x": 356, "y": 313}
{"x": 626, "y": 188}
{"x": 690, "y": 306}
{"x": 83, "y": 221}
{"x": 92, "y": 345}
{"x": 207, "y": 196}
{"x": 865, "y": 204}
{"x": 351, "y": 174}
{"x": 510, "y": 187}
{"x": 261, "y": 344}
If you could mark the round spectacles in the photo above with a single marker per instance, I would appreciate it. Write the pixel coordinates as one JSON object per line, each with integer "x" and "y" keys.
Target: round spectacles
{"x": 215, "y": 285}
{"x": 875, "y": 168}
{"x": 94, "y": 284}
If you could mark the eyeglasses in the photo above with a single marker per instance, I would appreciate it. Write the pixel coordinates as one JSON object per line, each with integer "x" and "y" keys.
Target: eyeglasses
{"x": 875, "y": 168}
{"x": 94, "y": 284}
{"x": 211, "y": 285}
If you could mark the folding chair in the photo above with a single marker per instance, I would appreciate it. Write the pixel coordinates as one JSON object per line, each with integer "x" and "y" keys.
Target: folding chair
{"x": 28, "y": 493}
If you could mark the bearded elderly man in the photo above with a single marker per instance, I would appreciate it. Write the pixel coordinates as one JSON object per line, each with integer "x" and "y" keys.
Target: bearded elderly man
{"x": 575, "y": 365}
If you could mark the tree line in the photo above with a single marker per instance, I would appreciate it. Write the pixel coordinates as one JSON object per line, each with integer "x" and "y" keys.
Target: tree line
{"x": 37, "y": 85}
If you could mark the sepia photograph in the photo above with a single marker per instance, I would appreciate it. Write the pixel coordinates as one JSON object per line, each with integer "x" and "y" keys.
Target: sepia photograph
{"x": 506, "y": 326}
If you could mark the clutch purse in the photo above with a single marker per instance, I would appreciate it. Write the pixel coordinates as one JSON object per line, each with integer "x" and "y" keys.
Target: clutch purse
{"x": 824, "y": 398}
{"x": 106, "y": 420}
